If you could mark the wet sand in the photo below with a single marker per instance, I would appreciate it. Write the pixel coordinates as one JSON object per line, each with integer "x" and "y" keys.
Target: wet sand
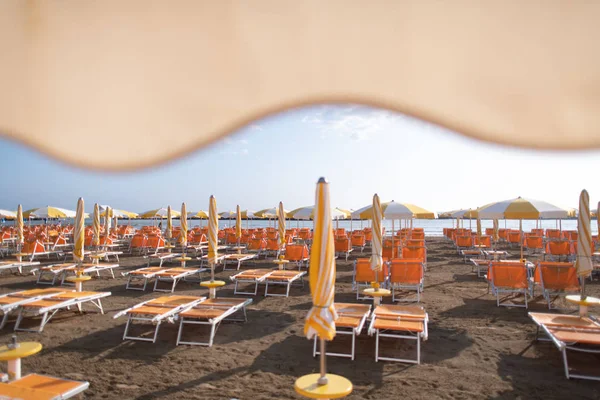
{"x": 475, "y": 349}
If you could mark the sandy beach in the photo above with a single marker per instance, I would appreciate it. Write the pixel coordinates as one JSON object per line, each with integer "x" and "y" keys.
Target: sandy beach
{"x": 475, "y": 349}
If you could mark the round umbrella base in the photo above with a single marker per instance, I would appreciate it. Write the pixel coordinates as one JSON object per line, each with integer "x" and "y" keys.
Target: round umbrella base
{"x": 377, "y": 294}
{"x": 212, "y": 287}
{"x": 336, "y": 387}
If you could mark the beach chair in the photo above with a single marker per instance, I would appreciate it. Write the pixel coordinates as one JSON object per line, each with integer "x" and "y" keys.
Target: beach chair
{"x": 155, "y": 312}
{"x": 237, "y": 259}
{"x": 283, "y": 278}
{"x": 142, "y": 274}
{"x": 297, "y": 254}
{"x": 12, "y": 301}
{"x": 258, "y": 245}
{"x": 509, "y": 278}
{"x": 49, "y": 306}
{"x": 363, "y": 275}
{"x": 138, "y": 244}
{"x": 155, "y": 244}
{"x": 484, "y": 242}
{"x": 419, "y": 253}
{"x": 464, "y": 242}
{"x": 211, "y": 312}
{"x": 255, "y": 276}
{"x": 557, "y": 278}
{"x": 359, "y": 241}
{"x": 89, "y": 268}
{"x": 41, "y": 387}
{"x": 18, "y": 265}
{"x": 36, "y": 249}
{"x": 343, "y": 246}
{"x": 481, "y": 266}
{"x": 570, "y": 332}
{"x": 553, "y": 234}
{"x": 534, "y": 244}
{"x": 272, "y": 248}
{"x": 406, "y": 274}
{"x": 469, "y": 254}
{"x": 514, "y": 237}
{"x": 54, "y": 271}
{"x": 174, "y": 276}
{"x": 557, "y": 250}
{"x": 305, "y": 234}
{"x": 399, "y": 322}
{"x": 161, "y": 257}
{"x": 351, "y": 319}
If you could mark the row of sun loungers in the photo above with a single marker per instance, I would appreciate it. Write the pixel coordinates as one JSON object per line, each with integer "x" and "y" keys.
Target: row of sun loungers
{"x": 45, "y": 303}
{"x": 48, "y": 275}
{"x": 188, "y": 310}
{"x": 168, "y": 275}
{"x": 267, "y": 277}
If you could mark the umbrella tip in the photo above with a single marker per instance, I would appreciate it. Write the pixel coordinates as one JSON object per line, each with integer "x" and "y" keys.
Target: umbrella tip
{"x": 322, "y": 180}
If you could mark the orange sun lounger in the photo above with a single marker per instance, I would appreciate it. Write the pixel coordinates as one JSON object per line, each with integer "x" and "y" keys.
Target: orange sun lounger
{"x": 557, "y": 278}
{"x": 156, "y": 311}
{"x": 54, "y": 271}
{"x": 12, "y": 301}
{"x": 211, "y": 312}
{"x": 285, "y": 278}
{"x": 363, "y": 276}
{"x": 174, "y": 276}
{"x": 49, "y": 306}
{"x": 41, "y": 387}
{"x": 510, "y": 277}
{"x": 570, "y": 332}
{"x": 18, "y": 265}
{"x": 144, "y": 274}
{"x": 399, "y": 322}
{"x": 255, "y": 276}
{"x": 351, "y": 319}
{"x": 238, "y": 259}
{"x": 406, "y": 274}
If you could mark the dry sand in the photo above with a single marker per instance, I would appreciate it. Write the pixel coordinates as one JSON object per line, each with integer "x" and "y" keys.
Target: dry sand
{"x": 475, "y": 349}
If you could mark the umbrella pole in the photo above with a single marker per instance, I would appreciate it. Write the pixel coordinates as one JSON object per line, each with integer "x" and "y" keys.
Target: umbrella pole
{"x": 323, "y": 378}
{"x": 393, "y": 235}
{"x": 521, "y": 236}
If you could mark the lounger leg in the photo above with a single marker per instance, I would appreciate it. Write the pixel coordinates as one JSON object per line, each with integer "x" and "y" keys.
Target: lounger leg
{"x": 565, "y": 362}
{"x": 100, "y": 306}
{"x": 353, "y": 343}
{"x": 4, "y": 320}
{"x": 377, "y": 345}
{"x": 418, "y": 349}
{"x": 267, "y": 288}
{"x": 212, "y": 334}
{"x": 127, "y": 327}
{"x": 179, "y": 332}
{"x": 287, "y": 292}
{"x": 156, "y": 331}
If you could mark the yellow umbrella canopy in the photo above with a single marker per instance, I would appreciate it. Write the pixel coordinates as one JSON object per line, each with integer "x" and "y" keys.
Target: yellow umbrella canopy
{"x": 158, "y": 213}
{"x": 199, "y": 214}
{"x": 7, "y": 214}
{"x": 169, "y": 229}
{"x": 49, "y": 212}
{"x": 118, "y": 213}
{"x": 321, "y": 317}
{"x": 481, "y": 62}
{"x": 394, "y": 210}
{"x": 96, "y": 225}
{"x": 213, "y": 235}
{"x": 79, "y": 233}
{"x": 20, "y": 235}
{"x": 238, "y": 224}
{"x": 184, "y": 227}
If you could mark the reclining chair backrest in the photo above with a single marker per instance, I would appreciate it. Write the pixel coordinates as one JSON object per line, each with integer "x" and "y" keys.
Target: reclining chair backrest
{"x": 419, "y": 253}
{"x": 342, "y": 244}
{"x": 558, "y": 248}
{"x": 502, "y": 232}
{"x": 364, "y": 273}
{"x": 553, "y": 233}
{"x": 509, "y": 275}
{"x": 407, "y": 271}
{"x": 155, "y": 241}
{"x": 296, "y": 252}
{"x": 558, "y": 275}
{"x": 257, "y": 243}
{"x": 358, "y": 239}
{"x": 514, "y": 236}
{"x": 106, "y": 240}
{"x": 272, "y": 244}
{"x": 272, "y": 235}
{"x": 534, "y": 242}
{"x": 464, "y": 241}
{"x": 483, "y": 241}
{"x": 139, "y": 241}
{"x": 33, "y": 247}
{"x": 419, "y": 235}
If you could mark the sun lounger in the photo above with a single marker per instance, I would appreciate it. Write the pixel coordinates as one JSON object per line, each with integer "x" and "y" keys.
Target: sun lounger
{"x": 481, "y": 266}
{"x": 557, "y": 278}
{"x": 468, "y": 254}
{"x": 54, "y": 271}
{"x": 570, "y": 332}
{"x": 363, "y": 276}
{"x": 156, "y": 311}
{"x": 255, "y": 276}
{"x": 297, "y": 254}
{"x": 161, "y": 257}
{"x": 174, "y": 276}
{"x": 406, "y": 274}
{"x": 510, "y": 278}
{"x": 219, "y": 259}
{"x": 11, "y": 301}
{"x": 343, "y": 246}
{"x": 18, "y": 265}
{"x": 88, "y": 268}
{"x": 351, "y": 319}
{"x": 41, "y": 387}
{"x": 285, "y": 278}
{"x": 144, "y": 274}
{"x": 400, "y": 322}
{"x": 49, "y": 306}
{"x": 211, "y": 312}
{"x": 238, "y": 258}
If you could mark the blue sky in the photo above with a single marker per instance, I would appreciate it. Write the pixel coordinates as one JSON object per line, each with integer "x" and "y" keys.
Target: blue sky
{"x": 360, "y": 150}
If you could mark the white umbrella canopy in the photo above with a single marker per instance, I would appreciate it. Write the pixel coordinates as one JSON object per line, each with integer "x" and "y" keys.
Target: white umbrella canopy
{"x": 269, "y": 213}
{"x": 308, "y": 212}
{"x": 7, "y": 214}
{"x": 464, "y": 213}
{"x": 522, "y": 208}
{"x": 394, "y": 210}
{"x": 49, "y": 212}
{"x": 159, "y": 213}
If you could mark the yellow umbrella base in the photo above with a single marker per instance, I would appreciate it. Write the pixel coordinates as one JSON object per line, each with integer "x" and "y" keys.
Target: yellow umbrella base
{"x": 377, "y": 292}
{"x": 336, "y": 387}
{"x": 589, "y": 301}
{"x": 25, "y": 349}
{"x": 213, "y": 284}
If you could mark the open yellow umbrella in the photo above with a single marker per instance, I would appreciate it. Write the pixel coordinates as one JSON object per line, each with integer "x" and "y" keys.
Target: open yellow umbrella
{"x": 320, "y": 320}
{"x": 199, "y": 214}
{"x": 96, "y": 225}
{"x": 158, "y": 213}
{"x": 49, "y": 212}
{"x": 281, "y": 225}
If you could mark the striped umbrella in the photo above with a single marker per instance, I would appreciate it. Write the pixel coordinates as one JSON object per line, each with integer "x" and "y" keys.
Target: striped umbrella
{"x": 584, "y": 240}
{"x": 78, "y": 233}
{"x": 169, "y": 229}
{"x": 496, "y": 237}
{"x": 115, "y": 224}
{"x": 184, "y": 227}
{"x": 107, "y": 219}
{"x": 394, "y": 210}
{"x": 20, "y": 235}
{"x": 238, "y": 224}
{"x": 213, "y": 235}
{"x": 96, "y": 225}
{"x": 321, "y": 317}
{"x": 377, "y": 238}
{"x": 478, "y": 227}
{"x": 281, "y": 225}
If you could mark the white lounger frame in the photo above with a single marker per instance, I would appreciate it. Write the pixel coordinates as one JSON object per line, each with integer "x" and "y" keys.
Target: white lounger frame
{"x": 214, "y": 322}
{"x": 174, "y": 279}
{"x": 89, "y": 269}
{"x": 48, "y": 312}
{"x": 239, "y": 260}
{"x": 563, "y": 347}
{"x": 161, "y": 257}
{"x": 256, "y": 282}
{"x": 19, "y": 265}
{"x": 285, "y": 282}
{"x": 409, "y": 335}
{"x": 345, "y": 331}
{"x": 168, "y": 315}
{"x": 6, "y": 309}
{"x": 53, "y": 271}
{"x": 145, "y": 277}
